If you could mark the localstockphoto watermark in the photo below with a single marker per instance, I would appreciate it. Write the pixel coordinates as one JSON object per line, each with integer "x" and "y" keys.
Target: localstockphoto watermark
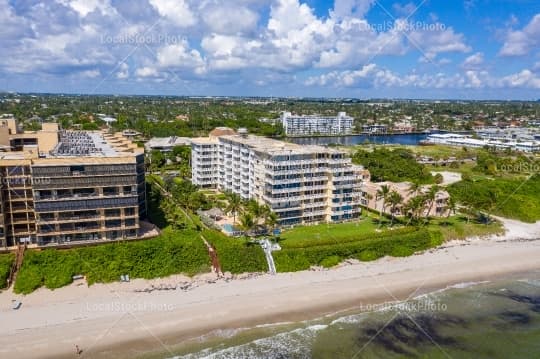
{"x": 121, "y": 307}
{"x": 19, "y": 181}
{"x": 400, "y": 26}
{"x": 520, "y": 167}
{"x": 409, "y": 306}
{"x": 141, "y": 39}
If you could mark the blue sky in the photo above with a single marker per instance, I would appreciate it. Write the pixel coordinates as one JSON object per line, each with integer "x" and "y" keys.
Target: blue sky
{"x": 458, "y": 49}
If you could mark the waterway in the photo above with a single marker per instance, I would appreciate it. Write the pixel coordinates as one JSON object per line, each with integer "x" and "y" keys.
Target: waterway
{"x": 402, "y": 139}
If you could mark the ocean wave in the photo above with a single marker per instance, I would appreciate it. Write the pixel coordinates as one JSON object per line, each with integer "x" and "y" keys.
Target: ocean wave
{"x": 292, "y": 343}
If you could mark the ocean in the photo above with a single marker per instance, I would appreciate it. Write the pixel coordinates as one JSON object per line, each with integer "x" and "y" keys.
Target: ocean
{"x": 473, "y": 320}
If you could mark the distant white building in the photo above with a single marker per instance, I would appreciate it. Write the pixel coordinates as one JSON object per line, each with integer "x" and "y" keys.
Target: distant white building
{"x": 302, "y": 125}
{"x": 453, "y": 139}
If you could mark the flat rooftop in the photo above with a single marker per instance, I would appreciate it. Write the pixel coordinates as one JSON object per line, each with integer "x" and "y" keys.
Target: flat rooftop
{"x": 268, "y": 145}
{"x": 81, "y": 143}
{"x": 276, "y": 147}
{"x": 168, "y": 141}
{"x": 91, "y": 144}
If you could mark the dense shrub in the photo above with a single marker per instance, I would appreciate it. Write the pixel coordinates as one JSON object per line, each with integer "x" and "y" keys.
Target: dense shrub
{"x": 397, "y": 244}
{"x": 330, "y": 261}
{"x": 172, "y": 252}
{"x": 518, "y": 199}
{"x": 6, "y": 260}
{"x": 237, "y": 255}
{"x": 393, "y": 165}
{"x": 309, "y": 241}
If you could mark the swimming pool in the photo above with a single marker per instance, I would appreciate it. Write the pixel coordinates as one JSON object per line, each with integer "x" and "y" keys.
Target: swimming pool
{"x": 229, "y": 228}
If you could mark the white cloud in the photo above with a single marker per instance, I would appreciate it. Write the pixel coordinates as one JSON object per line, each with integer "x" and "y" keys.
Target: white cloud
{"x": 473, "y": 61}
{"x": 523, "y": 79}
{"x": 91, "y": 73}
{"x": 84, "y": 7}
{"x": 404, "y": 10}
{"x": 436, "y": 39}
{"x": 229, "y": 18}
{"x": 223, "y": 42}
{"x": 177, "y": 11}
{"x": 146, "y": 72}
{"x": 522, "y": 42}
{"x": 373, "y": 76}
{"x": 179, "y": 56}
{"x": 287, "y": 16}
{"x": 351, "y": 8}
{"x": 123, "y": 71}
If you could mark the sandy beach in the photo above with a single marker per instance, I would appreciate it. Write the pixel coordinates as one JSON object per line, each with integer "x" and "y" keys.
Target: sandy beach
{"x": 117, "y": 320}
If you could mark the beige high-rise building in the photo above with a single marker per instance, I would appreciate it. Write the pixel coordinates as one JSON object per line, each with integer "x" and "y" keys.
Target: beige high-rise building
{"x": 302, "y": 184}
{"x": 68, "y": 186}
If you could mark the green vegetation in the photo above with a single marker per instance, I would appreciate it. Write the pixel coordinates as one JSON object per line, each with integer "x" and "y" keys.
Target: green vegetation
{"x": 460, "y": 227}
{"x": 397, "y": 244}
{"x": 6, "y": 261}
{"x": 154, "y": 199}
{"x": 393, "y": 165}
{"x": 237, "y": 255}
{"x": 178, "y": 160}
{"x": 329, "y": 244}
{"x": 302, "y": 236}
{"x": 510, "y": 198}
{"x": 507, "y": 165}
{"x": 182, "y": 116}
{"x": 171, "y": 253}
{"x": 351, "y": 237}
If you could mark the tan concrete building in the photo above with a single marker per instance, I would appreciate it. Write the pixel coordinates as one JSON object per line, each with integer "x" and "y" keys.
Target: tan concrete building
{"x": 301, "y": 184}
{"x": 68, "y": 186}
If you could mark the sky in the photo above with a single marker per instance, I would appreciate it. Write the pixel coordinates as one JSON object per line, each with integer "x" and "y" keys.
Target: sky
{"x": 441, "y": 49}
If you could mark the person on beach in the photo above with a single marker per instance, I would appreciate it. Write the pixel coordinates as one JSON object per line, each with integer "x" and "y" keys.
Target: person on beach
{"x": 78, "y": 350}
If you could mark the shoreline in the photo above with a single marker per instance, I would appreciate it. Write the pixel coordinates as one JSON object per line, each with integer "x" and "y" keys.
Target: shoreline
{"x": 111, "y": 320}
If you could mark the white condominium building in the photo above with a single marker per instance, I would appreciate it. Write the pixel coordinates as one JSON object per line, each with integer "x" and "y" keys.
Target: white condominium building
{"x": 298, "y": 125}
{"x": 302, "y": 184}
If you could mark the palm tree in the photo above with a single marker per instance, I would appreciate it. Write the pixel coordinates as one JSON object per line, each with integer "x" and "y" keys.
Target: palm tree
{"x": 368, "y": 197}
{"x": 247, "y": 221}
{"x": 490, "y": 203}
{"x": 258, "y": 211}
{"x": 414, "y": 187}
{"x": 431, "y": 195}
{"x": 451, "y": 206}
{"x": 271, "y": 220}
{"x": 394, "y": 199}
{"x": 382, "y": 193}
{"x": 415, "y": 205}
{"x": 235, "y": 205}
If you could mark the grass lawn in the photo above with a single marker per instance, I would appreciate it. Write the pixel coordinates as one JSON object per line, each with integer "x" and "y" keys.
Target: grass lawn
{"x": 452, "y": 228}
{"x": 365, "y": 225}
{"x": 461, "y": 168}
{"x": 441, "y": 151}
{"x": 457, "y": 228}
{"x": 332, "y": 232}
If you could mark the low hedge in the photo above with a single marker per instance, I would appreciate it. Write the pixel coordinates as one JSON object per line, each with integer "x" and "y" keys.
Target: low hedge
{"x": 237, "y": 255}
{"x": 396, "y": 245}
{"x": 6, "y": 261}
{"x": 171, "y": 253}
